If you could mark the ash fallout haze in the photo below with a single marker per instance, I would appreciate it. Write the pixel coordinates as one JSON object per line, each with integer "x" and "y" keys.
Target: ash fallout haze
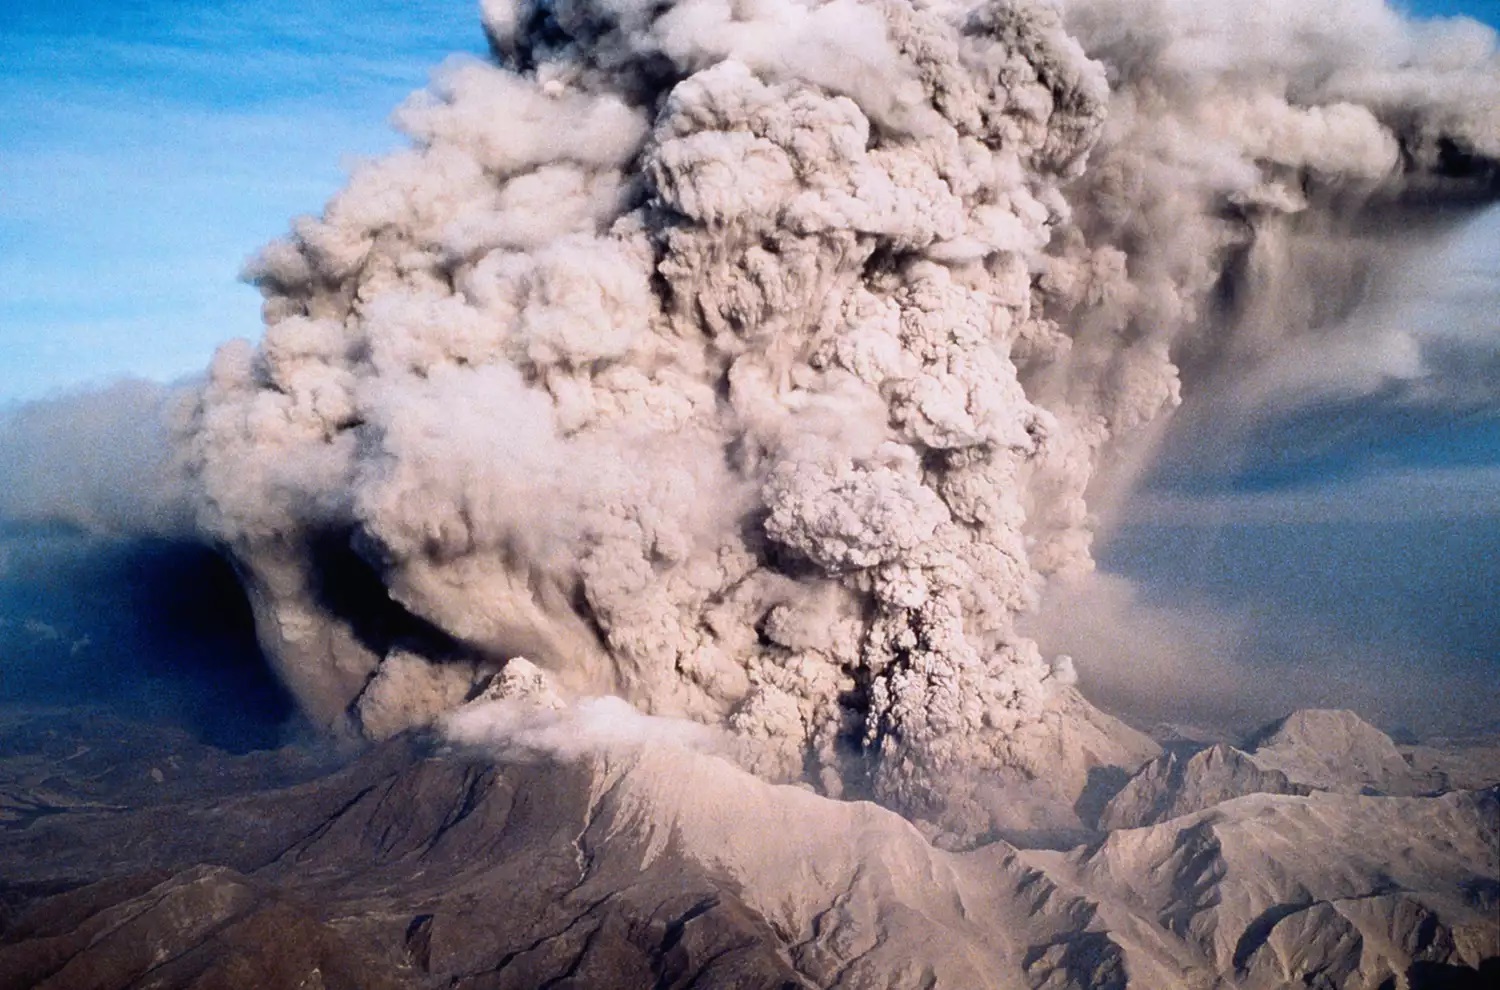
{"x": 863, "y": 493}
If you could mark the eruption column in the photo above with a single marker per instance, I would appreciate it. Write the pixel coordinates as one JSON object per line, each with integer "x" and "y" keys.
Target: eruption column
{"x": 752, "y": 361}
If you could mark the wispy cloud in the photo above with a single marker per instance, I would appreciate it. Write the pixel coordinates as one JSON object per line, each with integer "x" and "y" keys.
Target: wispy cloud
{"x": 1227, "y": 663}
{"x": 1429, "y": 334}
{"x": 1407, "y": 494}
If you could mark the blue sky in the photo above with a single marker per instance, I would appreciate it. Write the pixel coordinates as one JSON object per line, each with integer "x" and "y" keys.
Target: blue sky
{"x": 150, "y": 146}
{"x": 1482, "y": 10}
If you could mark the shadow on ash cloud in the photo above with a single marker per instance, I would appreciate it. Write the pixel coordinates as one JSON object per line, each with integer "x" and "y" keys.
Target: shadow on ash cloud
{"x": 150, "y": 629}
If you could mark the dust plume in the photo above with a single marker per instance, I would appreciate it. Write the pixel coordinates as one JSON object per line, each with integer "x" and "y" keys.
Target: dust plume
{"x": 104, "y": 462}
{"x": 759, "y": 363}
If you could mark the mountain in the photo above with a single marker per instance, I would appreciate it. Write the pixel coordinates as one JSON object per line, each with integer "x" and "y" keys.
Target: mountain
{"x": 415, "y": 863}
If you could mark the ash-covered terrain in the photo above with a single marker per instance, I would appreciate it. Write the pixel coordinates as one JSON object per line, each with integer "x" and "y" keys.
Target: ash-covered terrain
{"x": 1320, "y": 855}
{"x": 647, "y": 482}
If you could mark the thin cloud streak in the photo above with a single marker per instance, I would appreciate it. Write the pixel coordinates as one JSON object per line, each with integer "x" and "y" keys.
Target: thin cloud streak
{"x": 1403, "y": 494}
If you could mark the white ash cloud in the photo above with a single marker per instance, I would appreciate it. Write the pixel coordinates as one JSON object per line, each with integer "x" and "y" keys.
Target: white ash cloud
{"x": 753, "y": 362}
{"x": 1263, "y": 168}
{"x": 520, "y": 716}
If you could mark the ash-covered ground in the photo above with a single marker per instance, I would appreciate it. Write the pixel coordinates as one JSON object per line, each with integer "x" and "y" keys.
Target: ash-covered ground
{"x": 1315, "y": 853}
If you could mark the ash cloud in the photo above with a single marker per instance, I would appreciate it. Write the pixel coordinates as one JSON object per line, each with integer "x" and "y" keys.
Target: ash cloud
{"x": 1413, "y": 358}
{"x": 760, "y": 364}
{"x": 103, "y": 461}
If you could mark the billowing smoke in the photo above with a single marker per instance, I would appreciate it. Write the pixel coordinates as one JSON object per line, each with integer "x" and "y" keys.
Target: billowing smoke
{"x": 756, "y": 362}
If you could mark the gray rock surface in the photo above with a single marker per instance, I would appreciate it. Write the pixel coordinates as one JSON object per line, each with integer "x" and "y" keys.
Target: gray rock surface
{"x": 1327, "y": 889}
{"x": 1310, "y": 750}
{"x": 1175, "y": 784}
{"x": 205, "y": 927}
{"x": 419, "y": 866}
{"x": 1447, "y": 764}
{"x": 1334, "y": 750}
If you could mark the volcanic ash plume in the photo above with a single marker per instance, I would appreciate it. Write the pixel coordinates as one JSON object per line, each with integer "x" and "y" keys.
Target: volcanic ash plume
{"x": 750, "y": 361}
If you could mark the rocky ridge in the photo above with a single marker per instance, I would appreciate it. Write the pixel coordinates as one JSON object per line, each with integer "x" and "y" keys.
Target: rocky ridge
{"x": 418, "y": 864}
